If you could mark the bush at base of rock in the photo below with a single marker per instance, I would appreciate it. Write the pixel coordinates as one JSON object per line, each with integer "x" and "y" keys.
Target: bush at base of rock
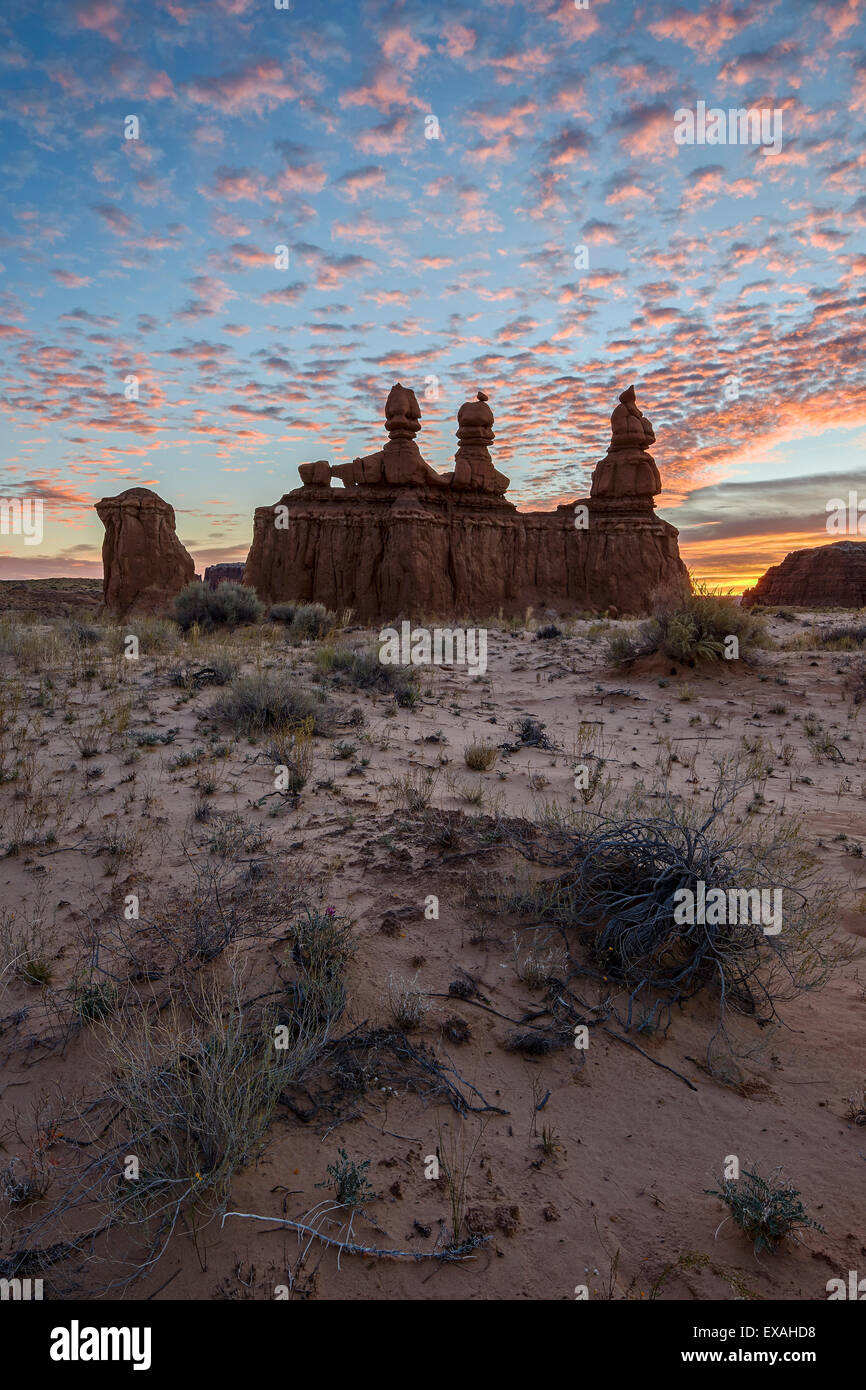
{"x": 310, "y": 621}
{"x": 229, "y": 605}
{"x": 282, "y": 612}
{"x": 696, "y": 629}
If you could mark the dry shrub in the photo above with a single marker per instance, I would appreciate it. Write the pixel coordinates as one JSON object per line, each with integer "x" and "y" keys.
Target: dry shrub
{"x": 480, "y": 757}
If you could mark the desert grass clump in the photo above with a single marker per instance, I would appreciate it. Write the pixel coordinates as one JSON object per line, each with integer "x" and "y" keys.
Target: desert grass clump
{"x": 81, "y": 634}
{"x": 841, "y": 637}
{"x": 322, "y": 949}
{"x": 414, "y": 790}
{"x": 856, "y": 681}
{"x": 856, "y": 1107}
{"x": 231, "y": 836}
{"x": 93, "y": 999}
{"x": 258, "y": 703}
{"x": 155, "y": 636}
{"x": 407, "y": 1004}
{"x": 694, "y": 628}
{"x": 195, "y": 1104}
{"x": 455, "y": 1153}
{"x": 769, "y": 1210}
{"x": 24, "y": 949}
{"x": 480, "y": 757}
{"x": 229, "y": 605}
{"x": 291, "y": 749}
{"x": 539, "y": 963}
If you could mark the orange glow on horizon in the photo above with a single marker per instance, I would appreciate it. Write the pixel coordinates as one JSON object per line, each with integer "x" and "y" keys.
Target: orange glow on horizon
{"x": 738, "y": 564}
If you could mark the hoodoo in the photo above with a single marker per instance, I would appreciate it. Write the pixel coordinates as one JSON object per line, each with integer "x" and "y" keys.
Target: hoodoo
{"x": 400, "y": 539}
{"x": 144, "y": 564}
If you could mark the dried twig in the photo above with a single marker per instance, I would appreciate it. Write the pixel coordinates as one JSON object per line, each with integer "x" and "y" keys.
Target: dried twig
{"x": 447, "y": 1255}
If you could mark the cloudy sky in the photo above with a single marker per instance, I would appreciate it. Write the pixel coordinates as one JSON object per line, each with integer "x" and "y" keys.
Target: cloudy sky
{"x": 552, "y": 245}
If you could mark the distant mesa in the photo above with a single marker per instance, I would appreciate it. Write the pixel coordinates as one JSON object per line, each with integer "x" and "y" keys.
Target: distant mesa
{"x": 144, "y": 564}
{"x": 229, "y": 573}
{"x": 822, "y": 576}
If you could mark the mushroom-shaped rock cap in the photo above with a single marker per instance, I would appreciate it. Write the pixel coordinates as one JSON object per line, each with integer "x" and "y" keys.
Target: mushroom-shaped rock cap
{"x": 629, "y": 427}
{"x": 134, "y": 499}
{"x": 475, "y": 418}
{"x": 402, "y": 411}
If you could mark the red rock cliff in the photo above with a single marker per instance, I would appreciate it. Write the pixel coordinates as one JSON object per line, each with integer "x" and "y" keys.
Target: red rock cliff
{"x": 823, "y": 576}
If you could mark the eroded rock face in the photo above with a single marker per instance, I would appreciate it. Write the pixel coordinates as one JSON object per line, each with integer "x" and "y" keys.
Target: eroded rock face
{"x": 229, "y": 573}
{"x": 398, "y": 543}
{"x": 144, "y": 564}
{"x": 822, "y": 576}
{"x": 389, "y": 556}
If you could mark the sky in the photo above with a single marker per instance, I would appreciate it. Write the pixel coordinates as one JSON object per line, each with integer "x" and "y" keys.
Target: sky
{"x": 228, "y": 228}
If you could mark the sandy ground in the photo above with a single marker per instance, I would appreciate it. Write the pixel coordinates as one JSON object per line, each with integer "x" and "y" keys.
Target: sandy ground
{"x": 615, "y": 1200}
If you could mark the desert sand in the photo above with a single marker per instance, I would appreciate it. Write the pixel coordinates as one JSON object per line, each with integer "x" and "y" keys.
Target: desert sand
{"x": 569, "y": 1167}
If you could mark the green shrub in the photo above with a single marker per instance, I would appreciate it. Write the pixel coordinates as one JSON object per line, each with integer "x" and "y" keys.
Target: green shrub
{"x": 362, "y": 670}
{"x": 311, "y": 620}
{"x": 348, "y": 1180}
{"x": 691, "y": 629}
{"x": 255, "y": 703}
{"x": 282, "y": 612}
{"x": 768, "y": 1210}
{"x": 228, "y": 605}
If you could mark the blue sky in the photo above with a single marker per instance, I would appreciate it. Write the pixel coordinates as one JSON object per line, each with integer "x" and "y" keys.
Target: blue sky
{"x": 418, "y": 259}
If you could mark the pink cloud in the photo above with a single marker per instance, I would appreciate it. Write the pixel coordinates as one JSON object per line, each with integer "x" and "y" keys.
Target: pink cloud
{"x": 387, "y": 138}
{"x": 101, "y": 17}
{"x": 400, "y": 45}
{"x": 259, "y": 86}
{"x": 70, "y": 281}
{"x": 707, "y": 31}
{"x": 459, "y": 40}
{"x": 384, "y": 89}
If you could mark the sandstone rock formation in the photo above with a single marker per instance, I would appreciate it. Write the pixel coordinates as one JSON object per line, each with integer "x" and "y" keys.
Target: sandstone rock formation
{"x": 627, "y": 479}
{"x": 228, "y": 573}
{"x": 401, "y": 540}
{"x": 822, "y": 576}
{"x": 144, "y": 564}
{"x": 473, "y": 466}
